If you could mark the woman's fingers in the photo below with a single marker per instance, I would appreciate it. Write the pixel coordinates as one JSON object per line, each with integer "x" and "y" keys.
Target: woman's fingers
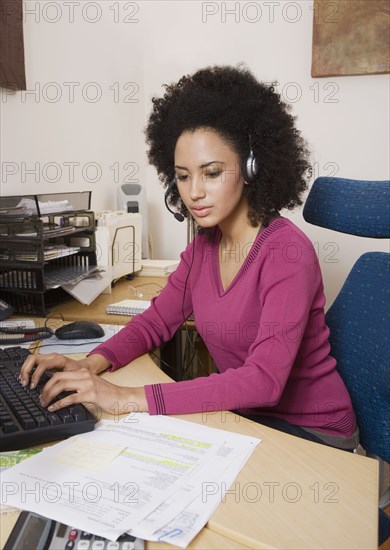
{"x": 69, "y": 381}
{"x": 41, "y": 363}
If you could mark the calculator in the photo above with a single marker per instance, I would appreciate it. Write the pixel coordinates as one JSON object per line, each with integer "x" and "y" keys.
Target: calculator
{"x": 34, "y": 531}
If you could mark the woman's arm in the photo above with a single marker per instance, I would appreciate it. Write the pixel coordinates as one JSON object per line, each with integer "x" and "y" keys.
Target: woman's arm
{"x": 144, "y": 332}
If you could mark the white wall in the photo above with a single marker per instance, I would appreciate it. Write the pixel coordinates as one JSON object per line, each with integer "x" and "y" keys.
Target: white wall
{"x": 104, "y": 46}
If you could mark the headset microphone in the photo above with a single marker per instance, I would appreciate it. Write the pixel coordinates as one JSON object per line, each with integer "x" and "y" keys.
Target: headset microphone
{"x": 179, "y": 217}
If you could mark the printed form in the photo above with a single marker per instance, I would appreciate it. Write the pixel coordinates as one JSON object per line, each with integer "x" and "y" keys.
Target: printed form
{"x": 144, "y": 474}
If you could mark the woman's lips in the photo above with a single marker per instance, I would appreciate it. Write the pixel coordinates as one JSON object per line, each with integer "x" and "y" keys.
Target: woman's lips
{"x": 202, "y": 211}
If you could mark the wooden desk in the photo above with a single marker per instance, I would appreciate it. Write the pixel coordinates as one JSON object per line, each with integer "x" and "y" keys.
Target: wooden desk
{"x": 291, "y": 494}
{"x": 75, "y": 311}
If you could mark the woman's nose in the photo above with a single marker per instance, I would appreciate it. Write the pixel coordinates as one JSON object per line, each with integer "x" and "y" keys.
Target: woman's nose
{"x": 197, "y": 189}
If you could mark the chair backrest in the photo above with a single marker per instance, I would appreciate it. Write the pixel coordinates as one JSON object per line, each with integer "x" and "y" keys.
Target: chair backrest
{"x": 359, "y": 318}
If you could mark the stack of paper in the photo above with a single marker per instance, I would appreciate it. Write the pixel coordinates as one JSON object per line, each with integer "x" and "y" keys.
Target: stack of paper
{"x": 157, "y": 477}
{"x": 158, "y": 268}
{"x": 50, "y": 252}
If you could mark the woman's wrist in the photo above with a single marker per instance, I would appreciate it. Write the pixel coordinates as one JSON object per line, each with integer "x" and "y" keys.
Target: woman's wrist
{"x": 133, "y": 400}
{"x": 96, "y": 363}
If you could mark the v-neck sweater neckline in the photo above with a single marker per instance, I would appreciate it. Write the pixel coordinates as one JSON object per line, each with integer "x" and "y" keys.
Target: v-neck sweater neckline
{"x": 261, "y": 237}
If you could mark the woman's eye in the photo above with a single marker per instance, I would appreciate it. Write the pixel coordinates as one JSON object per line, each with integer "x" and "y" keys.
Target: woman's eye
{"x": 213, "y": 174}
{"x": 183, "y": 177}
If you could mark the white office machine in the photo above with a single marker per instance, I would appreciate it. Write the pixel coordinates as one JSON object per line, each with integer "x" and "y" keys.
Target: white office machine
{"x": 119, "y": 242}
{"x": 131, "y": 197}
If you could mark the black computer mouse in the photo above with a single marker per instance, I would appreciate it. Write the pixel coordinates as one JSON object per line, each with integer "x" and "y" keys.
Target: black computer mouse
{"x": 79, "y": 330}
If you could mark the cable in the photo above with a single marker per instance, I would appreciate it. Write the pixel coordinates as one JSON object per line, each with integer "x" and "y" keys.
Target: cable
{"x": 24, "y": 335}
{"x": 63, "y": 343}
{"x": 188, "y": 339}
{"x": 161, "y": 360}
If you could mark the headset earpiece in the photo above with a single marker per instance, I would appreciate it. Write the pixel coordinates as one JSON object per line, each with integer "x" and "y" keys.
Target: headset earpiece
{"x": 250, "y": 168}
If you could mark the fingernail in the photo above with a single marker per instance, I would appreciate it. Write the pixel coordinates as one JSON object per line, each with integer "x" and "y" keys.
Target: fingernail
{"x": 23, "y": 382}
{"x": 32, "y": 385}
{"x": 51, "y": 408}
{"x": 42, "y": 403}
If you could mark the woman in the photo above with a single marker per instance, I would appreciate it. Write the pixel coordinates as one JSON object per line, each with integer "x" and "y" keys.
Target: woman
{"x": 228, "y": 152}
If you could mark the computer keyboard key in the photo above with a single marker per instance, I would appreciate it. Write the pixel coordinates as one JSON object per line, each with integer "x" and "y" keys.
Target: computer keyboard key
{"x": 53, "y": 419}
{"x": 65, "y": 416}
{"x": 78, "y": 412}
{"x": 9, "y": 427}
{"x": 41, "y": 421}
{"x": 28, "y": 423}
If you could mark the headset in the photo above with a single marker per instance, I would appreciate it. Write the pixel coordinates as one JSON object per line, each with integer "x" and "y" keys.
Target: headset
{"x": 250, "y": 167}
{"x": 179, "y": 217}
{"x": 249, "y": 171}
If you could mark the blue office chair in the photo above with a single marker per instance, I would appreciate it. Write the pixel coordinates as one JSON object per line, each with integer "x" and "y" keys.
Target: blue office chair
{"x": 359, "y": 318}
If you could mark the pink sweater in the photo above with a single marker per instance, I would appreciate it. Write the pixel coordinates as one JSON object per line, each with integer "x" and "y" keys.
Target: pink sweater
{"x": 266, "y": 334}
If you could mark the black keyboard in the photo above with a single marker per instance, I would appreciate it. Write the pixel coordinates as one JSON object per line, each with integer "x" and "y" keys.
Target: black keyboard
{"x": 23, "y": 422}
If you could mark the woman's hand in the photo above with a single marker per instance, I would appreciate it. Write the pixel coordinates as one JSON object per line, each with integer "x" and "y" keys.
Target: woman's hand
{"x": 91, "y": 388}
{"x": 80, "y": 377}
{"x": 94, "y": 363}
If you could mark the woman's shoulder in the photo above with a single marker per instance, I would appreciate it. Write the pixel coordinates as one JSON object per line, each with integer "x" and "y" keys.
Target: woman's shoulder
{"x": 283, "y": 240}
{"x": 284, "y": 229}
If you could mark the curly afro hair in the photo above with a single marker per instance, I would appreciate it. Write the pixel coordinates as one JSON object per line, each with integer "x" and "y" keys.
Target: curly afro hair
{"x": 247, "y": 114}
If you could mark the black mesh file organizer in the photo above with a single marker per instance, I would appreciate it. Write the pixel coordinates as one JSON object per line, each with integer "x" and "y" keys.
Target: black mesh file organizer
{"x": 45, "y": 241}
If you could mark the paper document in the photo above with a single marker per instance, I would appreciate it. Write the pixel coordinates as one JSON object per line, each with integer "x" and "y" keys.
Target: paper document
{"x": 88, "y": 455}
{"x": 149, "y": 477}
{"x": 86, "y": 290}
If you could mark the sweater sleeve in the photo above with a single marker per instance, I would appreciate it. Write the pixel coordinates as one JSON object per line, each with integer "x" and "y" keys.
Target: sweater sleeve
{"x": 287, "y": 290}
{"x": 157, "y": 324}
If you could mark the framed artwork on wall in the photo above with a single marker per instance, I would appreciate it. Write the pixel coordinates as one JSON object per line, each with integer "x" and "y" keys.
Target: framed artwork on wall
{"x": 12, "y": 70}
{"x": 350, "y": 37}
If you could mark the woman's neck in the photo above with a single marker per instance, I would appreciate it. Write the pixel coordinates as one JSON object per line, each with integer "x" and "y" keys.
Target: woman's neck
{"x": 237, "y": 230}
{"x": 235, "y": 243}
{"x": 242, "y": 237}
